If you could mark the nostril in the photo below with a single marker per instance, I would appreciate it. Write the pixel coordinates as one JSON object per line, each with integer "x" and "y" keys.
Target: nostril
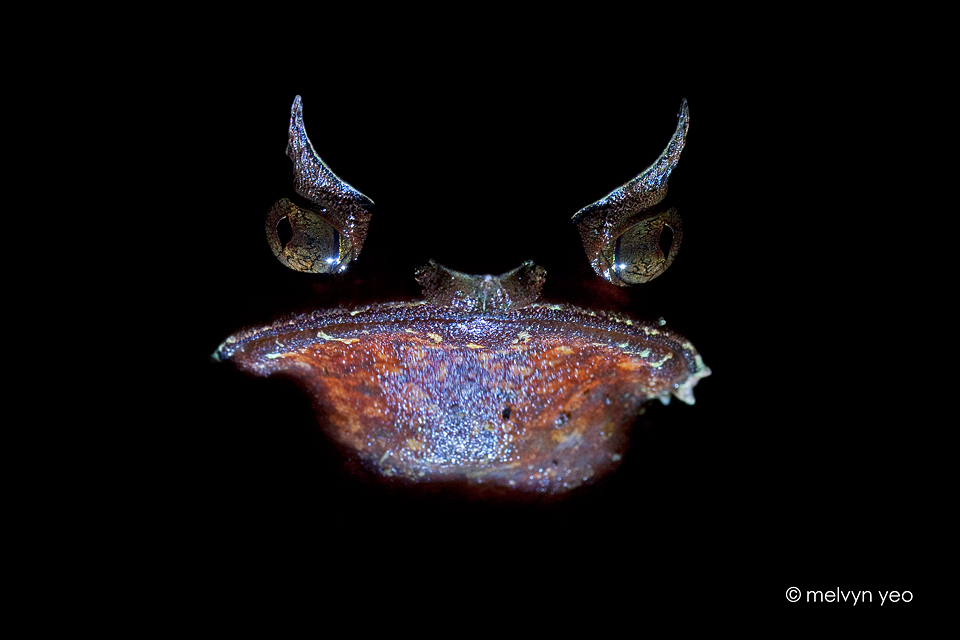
{"x": 284, "y": 232}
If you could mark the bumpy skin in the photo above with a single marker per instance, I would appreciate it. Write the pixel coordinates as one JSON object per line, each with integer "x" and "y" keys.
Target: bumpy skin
{"x": 448, "y": 288}
{"x": 478, "y": 383}
{"x": 632, "y": 211}
{"x": 335, "y": 208}
{"x": 540, "y": 398}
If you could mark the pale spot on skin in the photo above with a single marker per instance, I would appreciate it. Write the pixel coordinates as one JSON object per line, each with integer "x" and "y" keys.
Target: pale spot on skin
{"x": 324, "y": 336}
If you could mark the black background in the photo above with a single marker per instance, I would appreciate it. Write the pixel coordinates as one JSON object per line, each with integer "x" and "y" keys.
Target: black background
{"x": 784, "y": 473}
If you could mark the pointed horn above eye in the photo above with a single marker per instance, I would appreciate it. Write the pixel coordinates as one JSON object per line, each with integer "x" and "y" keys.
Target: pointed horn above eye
{"x": 650, "y": 187}
{"x": 622, "y": 232}
{"x": 657, "y": 174}
{"x": 312, "y": 178}
{"x": 339, "y": 206}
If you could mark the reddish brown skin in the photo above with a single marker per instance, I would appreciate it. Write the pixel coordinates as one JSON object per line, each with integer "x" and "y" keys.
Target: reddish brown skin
{"x": 478, "y": 384}
{"x": 536, "y": 399}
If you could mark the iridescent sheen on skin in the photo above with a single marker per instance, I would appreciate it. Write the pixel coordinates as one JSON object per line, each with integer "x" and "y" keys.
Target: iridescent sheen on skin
{"x": 479, "y": 383}
{"x": 632, "y": 215}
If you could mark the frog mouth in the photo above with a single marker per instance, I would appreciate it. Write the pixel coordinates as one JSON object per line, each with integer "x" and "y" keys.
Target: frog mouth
{"x": 478, "y": 382}
{"x": 535, "y": 398}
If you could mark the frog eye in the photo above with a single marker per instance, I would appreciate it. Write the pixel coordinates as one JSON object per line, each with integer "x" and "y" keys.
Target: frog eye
{"x": 646, "y": 249}
{"x": 326, "y": 235}
{"x": 629, "y": 236}
{"x": 303, "y": 240}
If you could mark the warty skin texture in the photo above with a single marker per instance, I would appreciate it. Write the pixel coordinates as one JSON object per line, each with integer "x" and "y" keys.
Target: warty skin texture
{"x": 478, "y": 384}
{"x": 540, "y": 398}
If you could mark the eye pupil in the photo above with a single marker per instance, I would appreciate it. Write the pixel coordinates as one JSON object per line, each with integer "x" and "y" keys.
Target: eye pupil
{"x": 284, "y": 232}
{"x": 305, "y": 241}
{"x": 646, "y": 248}
{"x": 666, "y": 240}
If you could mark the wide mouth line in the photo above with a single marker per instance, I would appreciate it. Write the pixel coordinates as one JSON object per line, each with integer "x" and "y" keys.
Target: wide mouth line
{"x": 496, "y": 330}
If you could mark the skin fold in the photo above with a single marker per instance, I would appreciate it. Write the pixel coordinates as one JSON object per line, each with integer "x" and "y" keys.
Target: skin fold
{"x": 477, "y": 382}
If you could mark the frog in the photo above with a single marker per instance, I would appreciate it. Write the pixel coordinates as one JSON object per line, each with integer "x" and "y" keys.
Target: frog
{"x": 478, "y": 382}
